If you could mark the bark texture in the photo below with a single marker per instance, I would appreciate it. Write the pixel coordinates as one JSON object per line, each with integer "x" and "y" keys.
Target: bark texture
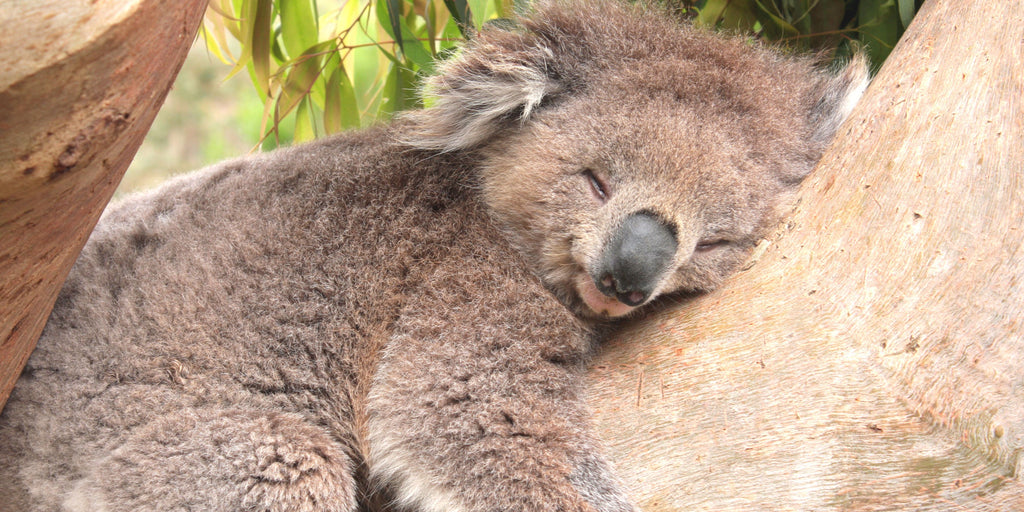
{"x": 80, "y": 83}
{"x": 871, "y": 358}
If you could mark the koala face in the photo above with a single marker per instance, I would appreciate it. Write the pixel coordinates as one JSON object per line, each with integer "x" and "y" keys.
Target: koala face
{"x": 625, "y": 170}
{"x": 651, "y": 199}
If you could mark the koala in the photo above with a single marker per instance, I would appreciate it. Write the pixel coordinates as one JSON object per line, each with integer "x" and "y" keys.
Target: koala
{"x": 401, "y": 317}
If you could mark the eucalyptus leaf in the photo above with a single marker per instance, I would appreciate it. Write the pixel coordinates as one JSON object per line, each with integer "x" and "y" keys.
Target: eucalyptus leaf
{"x": 463, "y": 15}
{"x": 340, "y": 109}
{"x": 773, "y": 23}
{"x": 303, "y": 123}
{"x": 299, "y": 27}
{"x": 374, "y": 53}
{"x": 261, "y": 32}
{"x": 243, "y": 32}
{"x": 393, "y": 12}
{"x": 907, "y": 9}
{"x": 213, "y": 36}
{"x": 479, "y": 11}
{"x": 879, "y": 28}
{"x": 301, "y": 75}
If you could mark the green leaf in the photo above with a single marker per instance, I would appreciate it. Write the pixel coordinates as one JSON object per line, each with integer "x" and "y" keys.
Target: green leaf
{"x": 399, "y": 92}
{"x": 214, "y": 30}
{"x": 393, "y": 10}
{"x": 449, "y": 35}
{"x": 213, "y": 37}
{"x": 408, "y": 44}
{"x": 462, "y": 14}
{"x": 260, "y": 41}
{"x": 879, "y": 28}
{"x": 276, "y": 51}
{"x": 301, "y": 75}
{"x": 390, "y": 56}
{"x": 330, "y": 60}
{"x": 775, "y": 26}
{"x": 429, "y": 19}
{"x": 299, "y": 28}
{"x": 732, "y": 14}
{"x": 303, "y": 124}
{"x": 416, "y": 53}
{"x": 229, "y": 12}
{"x": 409, "y": 89}
{"x": 906, "y": 8}
{"x": 246, "y": 17}
{"x": 477, "y": 12}
{"x": 340, "y": 109}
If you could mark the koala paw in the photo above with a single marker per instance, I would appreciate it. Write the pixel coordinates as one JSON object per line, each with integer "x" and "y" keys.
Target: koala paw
{"x": 222, "y": 460}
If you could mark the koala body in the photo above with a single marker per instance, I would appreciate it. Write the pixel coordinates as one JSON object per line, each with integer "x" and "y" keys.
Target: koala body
{"x": 401, "y": 316}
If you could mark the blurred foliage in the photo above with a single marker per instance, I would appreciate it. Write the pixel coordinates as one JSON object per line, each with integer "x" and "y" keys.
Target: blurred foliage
{"x": 836, "y": 27}
{"x": 321, "y": 66}
{"x": 204, "y": 119}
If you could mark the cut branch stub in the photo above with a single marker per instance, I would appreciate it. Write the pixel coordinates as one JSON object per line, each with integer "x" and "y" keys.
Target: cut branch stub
{"x": 80, "y": 83}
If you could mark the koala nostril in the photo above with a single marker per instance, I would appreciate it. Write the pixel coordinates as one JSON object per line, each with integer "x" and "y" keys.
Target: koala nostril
{"x": 606, "y": 285}
{"x": 609, "y": 287}
{"x": 632, "y": 298}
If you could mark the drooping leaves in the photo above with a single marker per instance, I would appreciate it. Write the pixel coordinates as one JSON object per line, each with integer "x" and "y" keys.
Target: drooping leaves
{"x": 355, "y": 62}
{"x": 363, "y": 60}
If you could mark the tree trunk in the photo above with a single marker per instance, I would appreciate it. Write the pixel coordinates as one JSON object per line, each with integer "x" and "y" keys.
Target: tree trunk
{"x": 80, "y": 83}
{"x": 871, "y": 358}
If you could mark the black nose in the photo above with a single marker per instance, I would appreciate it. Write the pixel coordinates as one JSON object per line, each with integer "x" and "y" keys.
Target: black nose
{"x": 635, "y": 258}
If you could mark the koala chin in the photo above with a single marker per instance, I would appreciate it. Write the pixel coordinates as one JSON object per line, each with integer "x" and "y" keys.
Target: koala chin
{"x": 400, "y": 317}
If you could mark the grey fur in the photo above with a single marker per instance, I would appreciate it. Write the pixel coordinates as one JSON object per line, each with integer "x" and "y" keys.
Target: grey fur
{"x": 402, "y": 312}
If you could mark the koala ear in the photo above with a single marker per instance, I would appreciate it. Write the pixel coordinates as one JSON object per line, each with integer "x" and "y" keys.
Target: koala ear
{"x": 836, "y": 98}
{"x": 500, "y": 78}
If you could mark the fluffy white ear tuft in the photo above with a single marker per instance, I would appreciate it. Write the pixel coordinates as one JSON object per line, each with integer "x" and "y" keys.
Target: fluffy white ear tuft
{"x": 499, "y": 79}
{"x": 837, "y": 98}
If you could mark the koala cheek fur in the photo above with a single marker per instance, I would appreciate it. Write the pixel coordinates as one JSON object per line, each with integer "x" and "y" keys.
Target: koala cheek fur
{"x": 402, "y": 316}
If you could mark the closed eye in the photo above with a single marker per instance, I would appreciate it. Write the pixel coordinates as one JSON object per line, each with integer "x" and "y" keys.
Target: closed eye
{"x": 597, "y": 186}
{"x": 710, "y": 245}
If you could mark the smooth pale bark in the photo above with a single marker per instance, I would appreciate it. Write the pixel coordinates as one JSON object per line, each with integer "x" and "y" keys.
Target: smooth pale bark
{"x": 80, "y": 83}
{"x": 872, "y": 358}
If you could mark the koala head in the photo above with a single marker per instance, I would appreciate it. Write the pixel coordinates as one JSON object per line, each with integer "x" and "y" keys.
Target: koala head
{"x": 628, "y": 155}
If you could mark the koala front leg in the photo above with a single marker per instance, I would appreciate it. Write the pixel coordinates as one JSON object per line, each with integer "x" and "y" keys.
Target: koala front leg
{"x": 221, "y": 460}
{"x": 477, "y": 406}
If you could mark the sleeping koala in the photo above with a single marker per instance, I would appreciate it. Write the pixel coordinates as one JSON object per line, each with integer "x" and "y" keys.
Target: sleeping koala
{"x": 401, "y": 317}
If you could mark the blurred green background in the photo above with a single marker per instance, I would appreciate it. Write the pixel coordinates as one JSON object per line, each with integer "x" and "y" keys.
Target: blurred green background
{"x": 206, "y": 118}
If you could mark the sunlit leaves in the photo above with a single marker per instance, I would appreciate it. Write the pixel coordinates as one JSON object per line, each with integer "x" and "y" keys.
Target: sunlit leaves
{"x": 300, "y": 28}
{"x": 343, "y": 65}
{"x": 341, "y": 111}
{"x": 321, "y": 66}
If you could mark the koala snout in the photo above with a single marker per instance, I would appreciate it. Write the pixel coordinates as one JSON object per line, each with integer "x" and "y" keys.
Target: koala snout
{"x": 635, "y": 259}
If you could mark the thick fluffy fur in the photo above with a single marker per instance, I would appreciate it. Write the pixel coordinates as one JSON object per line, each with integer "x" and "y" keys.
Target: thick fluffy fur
{"x": 406, "y": 311}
